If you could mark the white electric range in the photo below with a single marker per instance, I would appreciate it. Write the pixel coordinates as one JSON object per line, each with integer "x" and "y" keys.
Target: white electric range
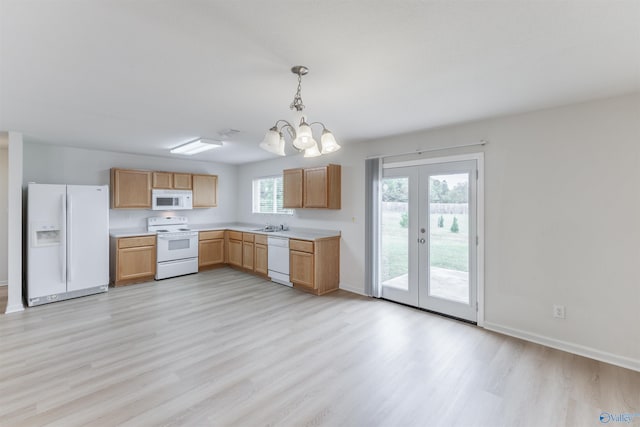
{"x": 177, "y": 246}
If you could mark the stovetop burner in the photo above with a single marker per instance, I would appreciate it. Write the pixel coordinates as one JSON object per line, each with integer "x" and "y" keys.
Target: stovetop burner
{"x": 177, "y": 224}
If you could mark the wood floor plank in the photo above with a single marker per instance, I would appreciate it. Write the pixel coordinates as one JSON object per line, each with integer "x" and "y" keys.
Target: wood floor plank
{"x": 226, "y": 348}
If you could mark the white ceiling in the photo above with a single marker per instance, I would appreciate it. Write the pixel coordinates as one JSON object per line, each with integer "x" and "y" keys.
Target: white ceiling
{"x": 144, "y": 76}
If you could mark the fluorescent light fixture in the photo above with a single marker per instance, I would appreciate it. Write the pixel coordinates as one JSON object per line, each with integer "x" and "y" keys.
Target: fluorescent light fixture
{"x": 197, "y": 146}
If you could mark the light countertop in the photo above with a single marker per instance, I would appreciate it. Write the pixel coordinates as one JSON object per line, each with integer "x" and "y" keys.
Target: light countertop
{"x": 293, "y": 233}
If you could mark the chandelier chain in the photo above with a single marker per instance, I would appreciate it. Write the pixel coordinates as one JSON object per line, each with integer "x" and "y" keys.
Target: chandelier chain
{"x": 297, "y": 104}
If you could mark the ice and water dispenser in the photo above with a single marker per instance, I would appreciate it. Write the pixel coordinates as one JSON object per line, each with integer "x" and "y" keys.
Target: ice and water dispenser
{"x": 45, "y": 235}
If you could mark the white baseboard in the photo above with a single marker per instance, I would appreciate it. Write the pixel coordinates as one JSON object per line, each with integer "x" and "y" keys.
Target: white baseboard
{"x": 3, "y": 283}
{"x": 14, "y": 308}
{"x": 352, "y": 289}
{"x": 592, "y": 353}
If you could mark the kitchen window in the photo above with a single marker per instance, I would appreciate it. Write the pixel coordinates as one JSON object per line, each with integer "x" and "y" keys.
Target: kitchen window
{"x": 268, "y": 195}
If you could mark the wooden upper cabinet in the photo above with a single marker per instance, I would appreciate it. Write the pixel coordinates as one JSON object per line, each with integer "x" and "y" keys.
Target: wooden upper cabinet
{"x": 130, "y": 189}
{"x": 312, "y": 187}
{"x": 172, "y": 180}
{"x": 205, "y": 191}
{"x": 182, "y": 181}
{"x": 292, "y": 183}
{"x": 162, "y": 180}
{"x": 315, "y": 182}
{"x": 322, "y": 187}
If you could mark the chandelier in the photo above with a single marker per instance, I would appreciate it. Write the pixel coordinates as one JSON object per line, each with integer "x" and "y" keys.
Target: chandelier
{"x": 301, "y": 136}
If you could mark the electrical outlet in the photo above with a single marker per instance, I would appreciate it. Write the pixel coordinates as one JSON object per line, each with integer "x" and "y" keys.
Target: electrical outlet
{"x": 559, "y": 312}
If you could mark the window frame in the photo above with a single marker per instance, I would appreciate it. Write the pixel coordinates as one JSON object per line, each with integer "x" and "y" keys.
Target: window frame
{"x": 255, "y": 186}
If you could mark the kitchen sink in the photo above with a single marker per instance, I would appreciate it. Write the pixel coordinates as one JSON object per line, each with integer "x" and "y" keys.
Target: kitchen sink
{"x": 271, "y": 228}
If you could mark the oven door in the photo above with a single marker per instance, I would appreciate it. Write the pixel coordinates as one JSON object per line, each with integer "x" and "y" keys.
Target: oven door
{"x": 172, "y": 246}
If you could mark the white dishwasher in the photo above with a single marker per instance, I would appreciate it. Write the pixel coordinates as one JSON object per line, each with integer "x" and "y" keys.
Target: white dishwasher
{"x": 278, "y": 260}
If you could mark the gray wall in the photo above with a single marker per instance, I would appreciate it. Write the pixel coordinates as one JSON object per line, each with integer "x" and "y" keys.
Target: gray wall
{"x": 562, "y": 202}
{"x": 48, "y": 164}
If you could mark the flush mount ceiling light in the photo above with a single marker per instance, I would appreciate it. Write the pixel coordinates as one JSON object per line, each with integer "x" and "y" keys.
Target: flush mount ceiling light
{"x": 197, "y": 146}
{"x": 301, "y": 136}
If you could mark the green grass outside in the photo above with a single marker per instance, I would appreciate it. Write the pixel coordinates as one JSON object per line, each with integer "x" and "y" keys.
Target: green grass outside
{"x": 448, "y": 250}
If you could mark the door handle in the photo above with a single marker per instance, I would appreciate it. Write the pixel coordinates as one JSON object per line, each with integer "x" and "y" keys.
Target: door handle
{"x": 423, "y": 241}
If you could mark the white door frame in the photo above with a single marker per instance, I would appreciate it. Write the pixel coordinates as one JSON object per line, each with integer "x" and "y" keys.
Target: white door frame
{"x": 479, "y": 157}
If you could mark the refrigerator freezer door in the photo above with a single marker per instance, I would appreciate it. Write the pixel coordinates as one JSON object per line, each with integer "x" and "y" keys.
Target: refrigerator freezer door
{"x": 46, "y": 251}
{"x": 87, "y": 236}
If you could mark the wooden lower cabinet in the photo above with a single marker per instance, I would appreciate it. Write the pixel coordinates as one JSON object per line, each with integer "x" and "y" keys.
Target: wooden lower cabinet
{"x": 260, "y": 264}
{"x": 301, "y": 268}
{"x": 248, "y": 251}
{"x": 314, "y": 266}
{"x": 247, "y": 255}
{"x": 235, "y": 252}
{"x": 210, "y": 249}
{"x": 133, "y": 259}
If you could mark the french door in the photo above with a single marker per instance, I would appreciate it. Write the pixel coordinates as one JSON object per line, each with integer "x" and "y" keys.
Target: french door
{"x": 428, "y": 237}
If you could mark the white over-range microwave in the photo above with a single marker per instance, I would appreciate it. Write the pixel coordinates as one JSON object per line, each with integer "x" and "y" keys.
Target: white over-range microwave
{"x": 171, "y": 200}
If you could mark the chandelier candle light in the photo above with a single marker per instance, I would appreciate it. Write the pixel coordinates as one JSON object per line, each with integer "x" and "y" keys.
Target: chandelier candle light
{"x": 302, "y": 138}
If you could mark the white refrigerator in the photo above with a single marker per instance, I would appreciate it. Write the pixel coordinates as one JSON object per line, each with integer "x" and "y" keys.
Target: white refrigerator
{"x": 68, "y": 241}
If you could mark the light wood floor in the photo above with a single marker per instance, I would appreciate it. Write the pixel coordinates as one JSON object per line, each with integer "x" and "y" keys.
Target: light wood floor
{"x": 226, "y": 348}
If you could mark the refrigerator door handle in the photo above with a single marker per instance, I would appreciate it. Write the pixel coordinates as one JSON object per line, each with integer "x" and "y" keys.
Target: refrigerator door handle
{"x": 69, "y": 237}
{"x": 63, "y": 238}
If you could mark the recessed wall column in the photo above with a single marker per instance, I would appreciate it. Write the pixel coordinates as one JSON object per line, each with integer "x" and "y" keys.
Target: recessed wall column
{"x": 14, "y": 235}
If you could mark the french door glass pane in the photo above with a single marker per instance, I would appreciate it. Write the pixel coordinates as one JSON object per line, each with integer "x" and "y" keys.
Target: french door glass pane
{"x": 395, "y": 232}
{"x": 449, "y": 237}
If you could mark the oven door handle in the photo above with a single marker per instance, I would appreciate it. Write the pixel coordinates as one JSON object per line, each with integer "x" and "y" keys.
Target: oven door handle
{"x": 177, "y": 261}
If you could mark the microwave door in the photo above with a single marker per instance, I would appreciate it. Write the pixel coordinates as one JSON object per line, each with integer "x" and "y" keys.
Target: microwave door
{"x": 167, "y": 202}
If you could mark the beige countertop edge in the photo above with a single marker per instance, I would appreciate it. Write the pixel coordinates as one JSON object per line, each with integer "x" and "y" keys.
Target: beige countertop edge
{"x": 293, "y": 234}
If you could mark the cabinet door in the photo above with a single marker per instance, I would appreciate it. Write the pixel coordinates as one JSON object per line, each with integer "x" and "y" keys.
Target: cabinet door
{"x": 130, "y": 189}
{"x": 247, "y": 255}
{"x": 315, "y": 188}
{"x": 210, "y": 252}
{"x": 136, "y": 262}
{"x": 162, "y": 180}
{"x": 261, "y": 254}
{"x": 205, "y": 191}
{"x": 292, "y": 187}
{"x": 301, "y": 268}
{"x": 235, "y": 253}
{"x": 182, "y": 181}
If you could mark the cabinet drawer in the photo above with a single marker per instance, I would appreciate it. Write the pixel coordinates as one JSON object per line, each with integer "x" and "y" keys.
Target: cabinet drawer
{"x": 132, "y": 242}
{"x": 261, "y": 239}
{"x": 247, "y": 237}
{"x": 301, "y": 245}
{"x": 208, "y": 235}
{"x": 235, "y": 235}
